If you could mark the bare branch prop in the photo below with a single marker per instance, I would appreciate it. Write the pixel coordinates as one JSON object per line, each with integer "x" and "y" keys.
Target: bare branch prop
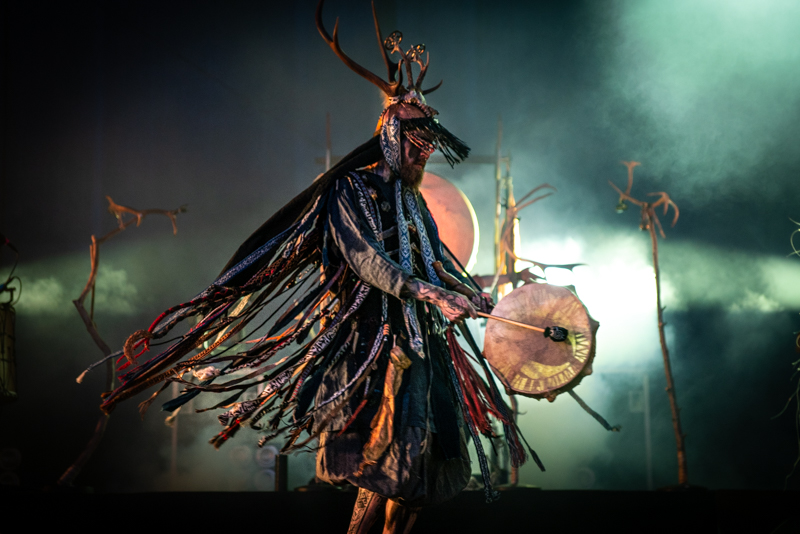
{"x": 795, "y": 396}
{"x": 650, "y": 222}
{"x": 506, "y": 242}
{"x": 630, "y": 165}
{"x": 119, "y": 211}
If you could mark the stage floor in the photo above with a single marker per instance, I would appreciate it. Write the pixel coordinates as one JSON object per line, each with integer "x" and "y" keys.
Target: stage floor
{"x": 519, "y": 510}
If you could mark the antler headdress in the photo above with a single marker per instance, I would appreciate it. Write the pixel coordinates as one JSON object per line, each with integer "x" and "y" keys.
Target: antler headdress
{"x": 393, "y": 88}
{"x": 425, "y": 129}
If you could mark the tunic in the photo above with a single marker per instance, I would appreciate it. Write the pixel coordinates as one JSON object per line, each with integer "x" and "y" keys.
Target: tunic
{"x": 426, "y": 460}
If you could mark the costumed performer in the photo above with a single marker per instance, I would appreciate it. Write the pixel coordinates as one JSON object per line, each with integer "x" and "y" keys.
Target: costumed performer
{"x": 363, "y": 356}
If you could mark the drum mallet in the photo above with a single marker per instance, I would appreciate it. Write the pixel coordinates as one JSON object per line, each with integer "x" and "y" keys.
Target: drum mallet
{"x": 556, "y": 333}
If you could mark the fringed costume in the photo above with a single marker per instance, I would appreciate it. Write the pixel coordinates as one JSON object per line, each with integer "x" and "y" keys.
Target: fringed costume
{"x": 310, "y": 314}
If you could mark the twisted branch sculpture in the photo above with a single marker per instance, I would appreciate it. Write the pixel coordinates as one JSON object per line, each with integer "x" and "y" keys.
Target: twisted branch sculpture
{"x": 650, "y": 222}
{"x": 137, "y": 216}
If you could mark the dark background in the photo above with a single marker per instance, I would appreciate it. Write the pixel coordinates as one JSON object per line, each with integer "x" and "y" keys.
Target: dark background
{"x": 221, "y": 106}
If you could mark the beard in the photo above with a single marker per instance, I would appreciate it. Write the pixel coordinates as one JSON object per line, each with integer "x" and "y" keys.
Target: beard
{"x": 411, "y": 174}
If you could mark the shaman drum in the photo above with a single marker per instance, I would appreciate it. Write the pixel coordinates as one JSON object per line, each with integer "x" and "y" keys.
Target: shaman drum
{"x": 454, "y": 216}
{"x": 529, "y": 363}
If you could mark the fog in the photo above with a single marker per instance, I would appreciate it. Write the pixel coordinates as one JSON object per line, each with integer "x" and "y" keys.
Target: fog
{"x": 222, "y": 107}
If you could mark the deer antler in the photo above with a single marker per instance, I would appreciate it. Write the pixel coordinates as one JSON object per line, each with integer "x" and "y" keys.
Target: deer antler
{"x": 630, "y": 165}
{"x": 394, "y": 86}
{"x": 390, "y": 88}
{"x": 432, "y": 89}
{"x": 422, "y": 71}
{"x": 414, "y": 55}
{"x": 666, "y": 202}
{"x": 391, "y": 68}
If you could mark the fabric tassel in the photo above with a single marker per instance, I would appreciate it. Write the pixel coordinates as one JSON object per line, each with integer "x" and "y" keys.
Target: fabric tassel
{"x": 263, "y": 440}
{"x": 230, "y": 400}
{"x": 453, "y": 148}
{"x": 490, "y": 494}
{"x": 143, "y": 406}
{"x": 510, "y": 427}
{"x": 477, "y": 398}
{"x": 140, "y": 336}
{"x": 225, "y": 435}
{"x": 292, "y": 439}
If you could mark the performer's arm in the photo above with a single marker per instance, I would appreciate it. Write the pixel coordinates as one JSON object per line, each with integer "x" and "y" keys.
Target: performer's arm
{"x": 359, "y": 248}
{"x": 357, "y": 244}
{"x": 453, "y": 305}
{"x": 483, "y": 301}
{"x": 452, "y": 277}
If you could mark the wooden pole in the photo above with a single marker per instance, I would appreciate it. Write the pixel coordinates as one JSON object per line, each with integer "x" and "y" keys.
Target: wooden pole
{"x": 650, "y": 222}
{"x": 281, "y": 473}
{"x": 683, "y": 471}
{"x": 648, "y": 442}
{"x": 514, "y": 475}
{"x": 498, "y": 179}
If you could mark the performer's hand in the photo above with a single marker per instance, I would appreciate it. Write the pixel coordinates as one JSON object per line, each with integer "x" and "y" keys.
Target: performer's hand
{"x": 483, "y": 301}
{"x": 455, "y": 306}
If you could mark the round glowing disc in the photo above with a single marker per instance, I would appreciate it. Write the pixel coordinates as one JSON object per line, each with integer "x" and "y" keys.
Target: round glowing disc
{"x": 454, "y": 216}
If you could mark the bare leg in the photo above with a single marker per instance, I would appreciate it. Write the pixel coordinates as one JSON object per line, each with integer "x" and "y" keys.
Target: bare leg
{"x": 399, "y": 518}
{"x": 368, "y": 505}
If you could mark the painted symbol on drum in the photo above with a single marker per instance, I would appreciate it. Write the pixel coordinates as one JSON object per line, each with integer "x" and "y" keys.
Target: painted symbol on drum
{"x": 529, "y": 363}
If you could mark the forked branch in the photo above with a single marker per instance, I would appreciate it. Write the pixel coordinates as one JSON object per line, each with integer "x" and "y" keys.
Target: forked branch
{"x": 119, "y": 211}
{"x": 650, "y": 222}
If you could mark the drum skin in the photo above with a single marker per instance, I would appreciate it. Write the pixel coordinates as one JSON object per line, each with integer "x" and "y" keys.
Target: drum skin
{"x": 454, "y": 216}
{"x": 529, "y": 363}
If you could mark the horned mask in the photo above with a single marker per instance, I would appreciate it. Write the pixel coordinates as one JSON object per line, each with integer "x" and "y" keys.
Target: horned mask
{"x": 425, "y": 132}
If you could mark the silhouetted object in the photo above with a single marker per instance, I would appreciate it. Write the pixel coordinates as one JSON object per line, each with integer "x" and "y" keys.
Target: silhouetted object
{"x": 8, "y": 362}
{"x": 599, "y": 418}
{"x": 88, "y": 319}
{"x": 796, "y": 393}
{"x": 650, "y": 222}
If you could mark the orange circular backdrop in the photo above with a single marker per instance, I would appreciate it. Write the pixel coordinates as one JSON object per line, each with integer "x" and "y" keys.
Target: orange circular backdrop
{"x": 453, "y": 213}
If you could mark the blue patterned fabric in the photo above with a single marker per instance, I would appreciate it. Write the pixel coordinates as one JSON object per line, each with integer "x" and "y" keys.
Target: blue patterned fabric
{"x": 411, "y": 202}
{"x": 407, "y": 263}
{"x": 390, "y": 143}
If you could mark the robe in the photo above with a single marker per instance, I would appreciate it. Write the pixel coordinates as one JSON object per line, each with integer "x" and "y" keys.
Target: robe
{"x": 421, "y": 458}
{"x": 341, "y": 358}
